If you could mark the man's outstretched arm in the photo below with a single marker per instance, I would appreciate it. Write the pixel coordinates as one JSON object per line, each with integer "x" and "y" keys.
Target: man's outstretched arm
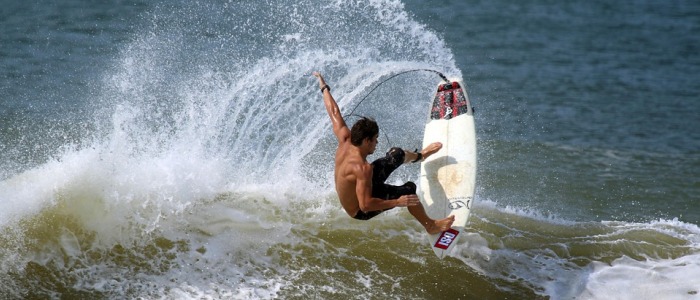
{"x": 340, "y": 129}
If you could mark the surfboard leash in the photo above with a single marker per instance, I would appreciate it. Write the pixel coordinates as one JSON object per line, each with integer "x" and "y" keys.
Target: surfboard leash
{"x": 442, "y": 76}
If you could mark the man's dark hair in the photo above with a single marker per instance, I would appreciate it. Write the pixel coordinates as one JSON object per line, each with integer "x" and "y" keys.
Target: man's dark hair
{"x": 364, "y": 128}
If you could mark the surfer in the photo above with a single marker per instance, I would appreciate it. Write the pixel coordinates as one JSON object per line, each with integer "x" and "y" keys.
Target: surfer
{"x": 359, "y": 184}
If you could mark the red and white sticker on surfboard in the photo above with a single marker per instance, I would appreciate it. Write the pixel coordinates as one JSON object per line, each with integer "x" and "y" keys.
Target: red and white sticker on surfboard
{"x": 450, "y": 102}
{"x": 446, "y": 239}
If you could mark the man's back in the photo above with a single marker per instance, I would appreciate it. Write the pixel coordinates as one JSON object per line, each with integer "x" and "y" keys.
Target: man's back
{"x": 347, "y": 159}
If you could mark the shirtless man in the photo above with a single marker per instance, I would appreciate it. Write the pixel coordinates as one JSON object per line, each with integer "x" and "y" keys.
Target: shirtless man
{"x": 359, "y": 184}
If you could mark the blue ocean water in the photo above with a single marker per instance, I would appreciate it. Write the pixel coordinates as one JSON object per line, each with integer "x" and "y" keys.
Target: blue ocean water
{"x": 609, "y": 90}
{"x": 180, "y": 150}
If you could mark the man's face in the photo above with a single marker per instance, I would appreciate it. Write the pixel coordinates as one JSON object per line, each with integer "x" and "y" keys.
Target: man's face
{"x": 372, "y": 143}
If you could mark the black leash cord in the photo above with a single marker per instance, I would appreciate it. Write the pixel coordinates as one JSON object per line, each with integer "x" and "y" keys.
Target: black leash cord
{"x": 385, "y": 80}
{"x": 390, "y": 77}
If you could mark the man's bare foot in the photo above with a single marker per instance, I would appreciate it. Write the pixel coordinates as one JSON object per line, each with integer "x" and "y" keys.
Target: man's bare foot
{"x": 431, "y": 149}
{"x": 437, "y": 226}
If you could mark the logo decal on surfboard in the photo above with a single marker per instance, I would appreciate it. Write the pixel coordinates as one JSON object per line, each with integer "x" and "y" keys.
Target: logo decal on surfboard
{"x": 446, "y": 239}
{"x": 459, "y": 202}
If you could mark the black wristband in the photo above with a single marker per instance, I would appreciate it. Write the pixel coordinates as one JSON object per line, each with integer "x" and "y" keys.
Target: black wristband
{"x": 325, "y": 87}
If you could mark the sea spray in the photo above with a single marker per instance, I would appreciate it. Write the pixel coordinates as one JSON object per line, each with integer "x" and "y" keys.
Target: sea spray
{"x": 210, "y": 155}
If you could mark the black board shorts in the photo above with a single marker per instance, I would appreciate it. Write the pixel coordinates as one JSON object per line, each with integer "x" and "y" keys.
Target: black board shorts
{"x": 381, "y": 169}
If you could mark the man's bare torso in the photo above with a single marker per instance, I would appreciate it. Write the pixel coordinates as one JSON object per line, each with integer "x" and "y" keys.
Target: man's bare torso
{"x": 347, "y": 158}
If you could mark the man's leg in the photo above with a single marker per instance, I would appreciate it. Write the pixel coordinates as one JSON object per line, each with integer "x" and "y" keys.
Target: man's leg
{"x": 425, "y": 153}
{"x": 430, "y": 225}
{"x": 418, "y": 211}
{"x": 383, "y": 167}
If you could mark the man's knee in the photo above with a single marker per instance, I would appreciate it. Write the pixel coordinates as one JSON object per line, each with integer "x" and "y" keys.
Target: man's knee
{"x": 410, "y": 186}
{"x": 396, "y": 156}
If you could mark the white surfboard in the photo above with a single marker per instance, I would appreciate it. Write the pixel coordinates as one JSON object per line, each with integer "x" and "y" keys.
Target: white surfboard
{"x": 448, "y": 177}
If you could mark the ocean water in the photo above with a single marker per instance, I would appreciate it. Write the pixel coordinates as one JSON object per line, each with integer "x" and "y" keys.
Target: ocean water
{"x": 180, "y": 150}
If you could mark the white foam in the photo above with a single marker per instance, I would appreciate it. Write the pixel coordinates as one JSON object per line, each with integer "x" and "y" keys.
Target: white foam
{"x": 666, "y": 263}
{"x": 626, "y": 278}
